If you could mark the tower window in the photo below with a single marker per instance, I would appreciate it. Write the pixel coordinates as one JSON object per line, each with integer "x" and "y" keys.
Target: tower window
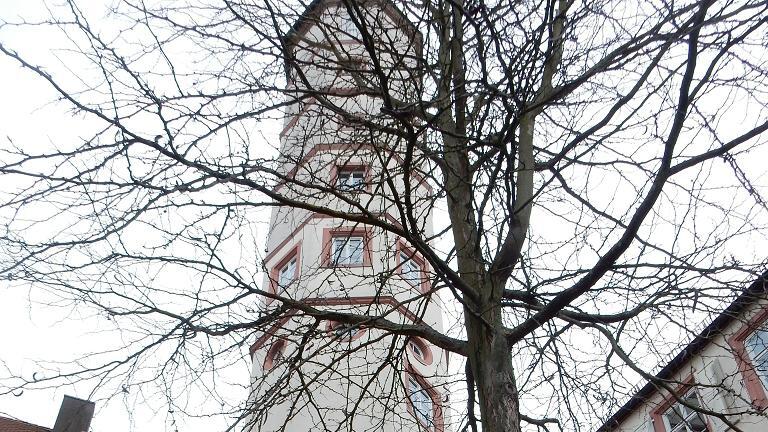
{"x": 423, "y": 407}
{"x": 351, "y": 180}
{"x": 287, "y": 272}
{"x": 346, "y": 331}
{"x": 347, "y": 250}
{"x": 409, "y": 269}
{"x": 284, "y": 271}
{"x": 346, "y": 247}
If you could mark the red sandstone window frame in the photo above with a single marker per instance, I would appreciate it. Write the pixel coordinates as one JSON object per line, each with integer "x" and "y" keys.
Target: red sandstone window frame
{"x": 270, "y": 359}
{"x": 427, "y": 358}
{"x": 687, "y": 385}
{"x": 274, "y": 271}
{"x": 402, "y": 248}
{"x": 351, "y": 168}
{"x": 333, "y": 325}
{"x": 437, "y": 410}
{"x": 752, "y": 382}
{"x": 329, "y": 234}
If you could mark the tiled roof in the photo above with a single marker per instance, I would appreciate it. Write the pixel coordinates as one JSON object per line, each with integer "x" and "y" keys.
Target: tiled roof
{"x": 11, "y": 425}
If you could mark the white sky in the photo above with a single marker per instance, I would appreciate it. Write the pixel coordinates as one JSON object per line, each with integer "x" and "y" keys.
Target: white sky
{"x": 27, "y": 334}
{"x": 28, "y": 117}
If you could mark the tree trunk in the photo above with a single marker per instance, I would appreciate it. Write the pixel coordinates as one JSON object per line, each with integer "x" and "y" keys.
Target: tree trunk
{"x": 490, "y": 361}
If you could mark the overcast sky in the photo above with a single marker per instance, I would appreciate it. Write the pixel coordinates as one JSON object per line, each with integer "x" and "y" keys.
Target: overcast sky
{"x": 30, "y": 119}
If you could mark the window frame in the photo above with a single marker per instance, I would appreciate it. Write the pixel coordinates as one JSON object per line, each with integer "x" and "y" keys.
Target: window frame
{"x": 754, "y": 384}
{"x": 658, "y": 415}
{"x": 274, "y": 273}
{"x": 437, "y": 411}
{"x": 405, "y": 251}
{"x": 331, "y": 234}
{"x": 339, "y": 169}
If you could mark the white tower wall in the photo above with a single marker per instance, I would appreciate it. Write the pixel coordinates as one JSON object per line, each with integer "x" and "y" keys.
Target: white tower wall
{"x": 306, "y": 377}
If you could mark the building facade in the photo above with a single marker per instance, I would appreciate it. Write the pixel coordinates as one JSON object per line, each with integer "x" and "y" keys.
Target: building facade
{"x": 719, "y": 382}
{"x": 339, "y": 160}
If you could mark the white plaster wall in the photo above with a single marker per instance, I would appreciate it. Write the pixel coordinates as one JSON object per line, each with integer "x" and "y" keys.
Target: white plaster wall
{"x": 316, "y": 279}
{"x": 343, "y": 380}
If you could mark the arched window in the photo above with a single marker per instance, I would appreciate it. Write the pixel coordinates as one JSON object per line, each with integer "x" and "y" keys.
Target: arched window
{"x": 420, "y": 350}
{"x": 421, "y": 402}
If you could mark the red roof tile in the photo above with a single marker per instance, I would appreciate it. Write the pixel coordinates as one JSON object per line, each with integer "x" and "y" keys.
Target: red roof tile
{"x": 11, "y": 425}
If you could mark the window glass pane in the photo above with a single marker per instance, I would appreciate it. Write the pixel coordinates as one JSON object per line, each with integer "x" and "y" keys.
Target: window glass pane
{"x": 355, "y": 250}
{"x": 351, "y": 180}
{"x": 757, "y": 348}
{"x": 409, "y": 269}
{"x": 692, "y": 399}
{"x": 338, "y": 249}
{"x": 697, "y": 423}
{"x": 422, "y": 403}
{"x": 349, "y": 29}
{"x": 345, "y": 331}
{"x": 674, "y": 418}
{"x": 287, "y": 273}
{"x": 757, "y": 343}
{"x": 761, "y": 367}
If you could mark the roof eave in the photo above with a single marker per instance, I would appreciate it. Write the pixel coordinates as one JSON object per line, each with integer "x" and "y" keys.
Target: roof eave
{"x": 725, "y": 318}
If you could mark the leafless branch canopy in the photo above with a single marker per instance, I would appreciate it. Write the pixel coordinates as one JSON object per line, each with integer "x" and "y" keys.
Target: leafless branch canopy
{"x": 595, "y": 170}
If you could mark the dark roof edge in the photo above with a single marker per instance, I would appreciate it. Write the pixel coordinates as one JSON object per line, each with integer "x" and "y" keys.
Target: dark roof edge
{"x": 697, "y": 344}
{"x": 315, "y": 4}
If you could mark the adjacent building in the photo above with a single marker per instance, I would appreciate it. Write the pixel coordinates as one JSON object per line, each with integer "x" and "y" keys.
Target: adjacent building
{"x": 74, "y": 416}
{"x": 719, "y": 380}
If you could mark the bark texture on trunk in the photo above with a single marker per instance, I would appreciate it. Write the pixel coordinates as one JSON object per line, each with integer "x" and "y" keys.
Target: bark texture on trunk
{"x": 490, "y": 361}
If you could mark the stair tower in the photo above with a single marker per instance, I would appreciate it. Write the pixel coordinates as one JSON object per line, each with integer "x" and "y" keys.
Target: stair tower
{"x": 342, "y": 164}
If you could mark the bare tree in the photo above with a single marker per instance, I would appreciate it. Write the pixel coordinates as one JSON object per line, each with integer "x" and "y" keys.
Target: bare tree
{"x": 595, "y": 163}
